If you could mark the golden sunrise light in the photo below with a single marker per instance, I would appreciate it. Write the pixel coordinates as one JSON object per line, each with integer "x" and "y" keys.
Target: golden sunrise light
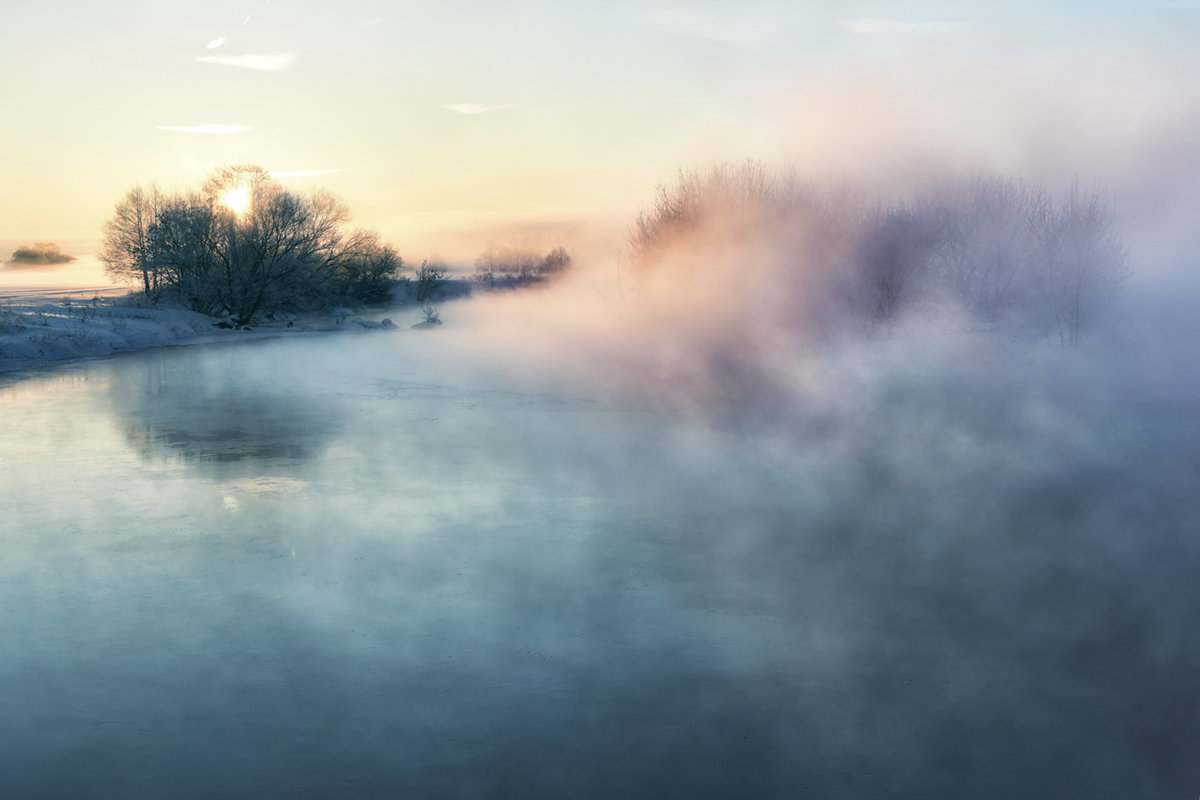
{"x": 237, "y": 199}
{"x": 703, "y": 398}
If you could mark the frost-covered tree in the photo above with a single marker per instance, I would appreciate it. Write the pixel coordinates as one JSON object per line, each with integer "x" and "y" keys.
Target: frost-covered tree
{"x": 1006, "y": 253}
{"x": 519, "y": 260}
{"x": 431, "y": 277}
{"x": 243, "y": 245}
{"x": 985, "y": 243}
{"x": 125, "y": 250}
{"x": 365, "y": 267}
{"x": 556, "y": 262}
{"x": 893, "y": 256}
{"x": 1081, "y": 260}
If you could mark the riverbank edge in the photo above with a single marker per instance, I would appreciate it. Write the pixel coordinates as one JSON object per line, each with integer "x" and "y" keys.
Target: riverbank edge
{"x": 49, "y": 333}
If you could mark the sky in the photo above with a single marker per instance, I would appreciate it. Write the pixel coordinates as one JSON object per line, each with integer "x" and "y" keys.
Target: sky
{"x": 446, "y": 125}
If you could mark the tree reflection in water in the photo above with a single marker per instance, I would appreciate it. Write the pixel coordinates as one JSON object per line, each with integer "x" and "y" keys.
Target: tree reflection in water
{"x": 218, "y": 414}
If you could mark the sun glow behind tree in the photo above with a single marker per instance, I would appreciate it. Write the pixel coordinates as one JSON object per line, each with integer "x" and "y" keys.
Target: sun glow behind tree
{"x": 243, "y": 245}
{"x": 237, "y": 199}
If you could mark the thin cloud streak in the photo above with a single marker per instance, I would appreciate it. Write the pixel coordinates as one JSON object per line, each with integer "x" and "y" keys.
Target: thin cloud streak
{"x": 266, "y": 63}
{"x": 215, "y": 43}
{"x": 473, "y": 108}
{"x": 211, "y": 128}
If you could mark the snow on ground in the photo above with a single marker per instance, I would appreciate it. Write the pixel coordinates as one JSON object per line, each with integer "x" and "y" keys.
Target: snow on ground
{"x": 41, "y": 326}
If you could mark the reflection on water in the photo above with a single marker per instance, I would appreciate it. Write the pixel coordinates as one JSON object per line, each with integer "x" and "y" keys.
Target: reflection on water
{"x": 225, "y": 415}
{"x": 328, "y": 568}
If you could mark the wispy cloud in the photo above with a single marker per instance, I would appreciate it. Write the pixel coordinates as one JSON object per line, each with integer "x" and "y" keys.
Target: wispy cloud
{"x": 212, "y": 128}
{"x": 741, "y": 28}
{"x": 473, "y": 108}
{"x": 371, "y": 22}
{"x": 869, "y": 27}
{"x": 303, "y": 173}
{"x": 217, "y": 42}
{"x": 268, "y": 63}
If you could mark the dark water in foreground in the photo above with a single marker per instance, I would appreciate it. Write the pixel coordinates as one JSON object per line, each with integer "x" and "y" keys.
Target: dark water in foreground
{"x": 322, "y": 568}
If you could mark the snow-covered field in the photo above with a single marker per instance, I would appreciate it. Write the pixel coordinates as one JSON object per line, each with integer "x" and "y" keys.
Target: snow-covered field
{"x": 41, "y": 326}
{"x": 61, "y": 313}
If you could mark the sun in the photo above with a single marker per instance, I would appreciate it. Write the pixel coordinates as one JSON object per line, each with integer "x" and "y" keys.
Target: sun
{"x": 236, "y": 199}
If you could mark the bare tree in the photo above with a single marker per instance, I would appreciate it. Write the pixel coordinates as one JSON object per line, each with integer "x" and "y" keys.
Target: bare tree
{"x": 894, "y": 253}
{"x": 431, "y": 277}
{"x": 365, "y": 267}
{"x": 556, "y": 262}
{"x": 182, "y": 242}
{"x": 726, "y": 202}
{"x": 1082, "y": 259}
{"x": 1004, "y": 251}
{"x": 243, "y": 244}
{"x": 984, "y": 244}
{"x": 126, "y": 252}
{"x": 521, "y": 261}
{"x": 513, "y": 261}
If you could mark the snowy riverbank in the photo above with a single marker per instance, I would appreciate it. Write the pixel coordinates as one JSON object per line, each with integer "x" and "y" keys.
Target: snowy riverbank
{"x": 40, "y": 327}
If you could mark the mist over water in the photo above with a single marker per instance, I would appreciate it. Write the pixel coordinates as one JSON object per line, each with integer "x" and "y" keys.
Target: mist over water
{"x": 562, "y": 548}
{"x": 713, "y": 525}
{"x": 684, "y": 532}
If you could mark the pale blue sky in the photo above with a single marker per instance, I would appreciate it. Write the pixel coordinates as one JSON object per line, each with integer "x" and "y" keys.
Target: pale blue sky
{"x": 448, "y": 117}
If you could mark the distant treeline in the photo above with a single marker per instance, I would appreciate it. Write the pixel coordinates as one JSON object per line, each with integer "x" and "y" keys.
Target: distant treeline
{"x": 1006, "y": 252}
{"x": 520, "y": 263}
{"x": 40, "y": 254}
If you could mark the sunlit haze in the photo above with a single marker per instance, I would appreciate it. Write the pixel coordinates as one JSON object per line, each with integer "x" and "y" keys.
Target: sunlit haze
{"x": 447, "y": 125}
{"x": 236, "y": 199}
{"x": 633, "y": 399}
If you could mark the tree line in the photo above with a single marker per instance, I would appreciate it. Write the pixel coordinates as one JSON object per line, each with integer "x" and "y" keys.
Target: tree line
{"x": 520, "y": 263}
{"x": 1008, "y": 253}
{"x": 39, "y": 254}
{"x": 243, "y": 245}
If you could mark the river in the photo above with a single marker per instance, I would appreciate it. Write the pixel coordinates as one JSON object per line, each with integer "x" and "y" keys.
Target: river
{"x": 335, "y": 567}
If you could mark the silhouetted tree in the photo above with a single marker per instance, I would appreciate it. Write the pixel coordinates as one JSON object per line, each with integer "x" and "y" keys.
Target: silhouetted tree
{"x": 125, "y": 251}
{"x": 893, "y": 256}
{"x": 431, "y": 277}
{"x": 243, "y": 244}
{"x": 555, "y": 262}
{"x": 366, "y": 267}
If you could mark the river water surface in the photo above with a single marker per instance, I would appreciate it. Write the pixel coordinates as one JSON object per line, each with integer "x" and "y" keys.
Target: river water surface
{"x": 325, "y": 567}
